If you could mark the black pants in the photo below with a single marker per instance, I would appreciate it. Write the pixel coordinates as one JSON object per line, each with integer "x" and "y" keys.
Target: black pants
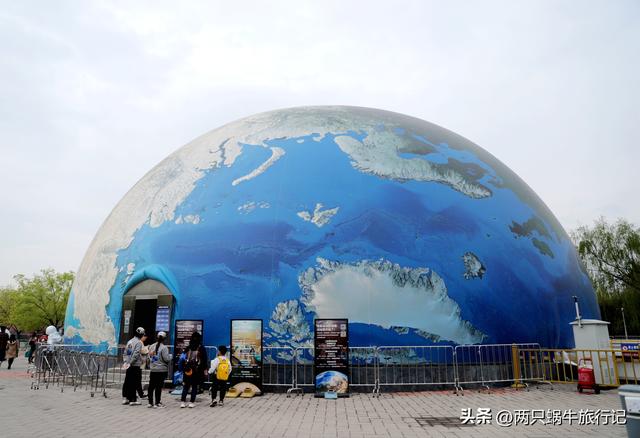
{"x": 186, "y": 384}
{"x": 10, "y": 360}
{"x": 156, "y": 382}
{"x": 32, "y": 354}
{"x": 139, "y": 387}
{"x": 132, "y": 379}
{"x": 218, "y": 385}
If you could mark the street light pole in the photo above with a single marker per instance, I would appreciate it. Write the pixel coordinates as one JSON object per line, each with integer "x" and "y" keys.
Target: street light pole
{"x": 626, "y": 336}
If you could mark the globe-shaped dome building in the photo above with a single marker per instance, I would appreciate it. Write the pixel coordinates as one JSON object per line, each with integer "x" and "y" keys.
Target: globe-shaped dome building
{"x": 413, "y": 233}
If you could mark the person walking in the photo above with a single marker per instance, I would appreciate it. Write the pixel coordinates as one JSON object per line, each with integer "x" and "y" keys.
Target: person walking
{"x": 4, "y": 338}
{"x": 13, "y": 349}
{"x": 194, "y": 367}
{"x": 219, "y": 371}
{"x": 133, "y": 374}
{"x": 33, "y": 344}
{"x": 160, "y": 359}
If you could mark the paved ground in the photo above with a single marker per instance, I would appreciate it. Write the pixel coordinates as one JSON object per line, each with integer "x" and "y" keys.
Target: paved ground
{"x": 48, "y": 412}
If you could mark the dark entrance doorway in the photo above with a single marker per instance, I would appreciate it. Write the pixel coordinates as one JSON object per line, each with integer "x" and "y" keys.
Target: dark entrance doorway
{"x": 148, "y": 304}
{"x": 144, "y": 315}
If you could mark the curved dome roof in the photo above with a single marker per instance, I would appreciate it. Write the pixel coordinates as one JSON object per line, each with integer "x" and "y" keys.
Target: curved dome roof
{"x": 413, "y": 232}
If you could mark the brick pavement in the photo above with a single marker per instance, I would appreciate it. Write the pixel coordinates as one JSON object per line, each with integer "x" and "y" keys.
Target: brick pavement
{"x": 48, "y": 412}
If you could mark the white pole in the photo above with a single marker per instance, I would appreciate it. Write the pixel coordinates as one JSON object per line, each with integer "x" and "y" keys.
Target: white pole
{"x": 626, "y": 336}
{"x": 578, "y": 317}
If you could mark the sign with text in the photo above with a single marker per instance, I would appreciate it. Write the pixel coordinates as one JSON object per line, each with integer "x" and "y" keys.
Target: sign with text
{"x": 184, "y": 329}
{"x": 331, "y": 361}
{"x": 629, "y": 350}
{"x": 246, "y": 351}
{"x": 127, "y": 321}
{"x": 163, "y": 318}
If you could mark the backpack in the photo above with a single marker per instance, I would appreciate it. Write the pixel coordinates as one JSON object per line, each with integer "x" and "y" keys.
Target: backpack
{"x": 223, "y": 370}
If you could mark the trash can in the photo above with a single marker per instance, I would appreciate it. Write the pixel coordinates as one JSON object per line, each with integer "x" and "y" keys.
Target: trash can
{"x": 630, "y": 397}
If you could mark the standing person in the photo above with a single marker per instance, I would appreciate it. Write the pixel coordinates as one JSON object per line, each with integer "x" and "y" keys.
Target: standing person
{"x": 195, "y": 366}
{"x": 4, "y": 338}
{"x": 144, "y": 357}
{"x": 133, "y": 376}
{"x": 219, "y": 371}
{"x": 12, "y": 349}
{"x": 33, "y": 344}
{"x": 160, "y": 358}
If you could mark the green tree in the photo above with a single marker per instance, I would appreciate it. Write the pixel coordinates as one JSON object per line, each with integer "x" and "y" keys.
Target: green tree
{"x": 42, "y": 299}
{"x": 611, "y": 255}
{"x": 8, "y": 302}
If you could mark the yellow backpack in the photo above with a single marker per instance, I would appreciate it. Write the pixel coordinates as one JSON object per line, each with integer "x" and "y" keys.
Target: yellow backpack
{"x": 223, "y": 370}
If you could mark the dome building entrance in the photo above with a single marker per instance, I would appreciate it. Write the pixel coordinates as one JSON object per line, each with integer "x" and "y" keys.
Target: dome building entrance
{"x": 148, "y": 304}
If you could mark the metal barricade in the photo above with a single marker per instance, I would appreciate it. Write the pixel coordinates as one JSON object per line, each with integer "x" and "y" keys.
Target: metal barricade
{"x": 531, "y": 365}
{"x": 628, "y": 366}
{"x": 468, "y": 365}
{"x": 487, "y": 364}
{"x": 363, "y": 368}
{"x": 501, "y": 363}
{"x": 278, "y": 368}
{"x": 212, "y": 352}
{"x": 97, "y": 369}
{"x": 303, "y": 369}
{"x": 416, "y": 366}
{"x": 561, "y": 366}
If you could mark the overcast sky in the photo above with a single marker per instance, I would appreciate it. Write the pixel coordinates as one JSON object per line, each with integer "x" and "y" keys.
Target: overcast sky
{"x": 93, "y": 94}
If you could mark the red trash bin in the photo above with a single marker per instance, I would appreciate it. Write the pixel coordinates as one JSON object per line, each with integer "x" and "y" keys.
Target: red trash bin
{"x": 586, "y": 376}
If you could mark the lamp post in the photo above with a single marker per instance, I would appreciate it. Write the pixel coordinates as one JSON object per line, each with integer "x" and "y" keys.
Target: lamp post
{"x": 626, "y": 336}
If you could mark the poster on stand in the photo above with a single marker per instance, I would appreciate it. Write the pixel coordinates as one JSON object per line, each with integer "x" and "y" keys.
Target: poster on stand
{"x": 246, "y": 352}
{"x": 184, "y": 329}
{"x": 331, "y": 359}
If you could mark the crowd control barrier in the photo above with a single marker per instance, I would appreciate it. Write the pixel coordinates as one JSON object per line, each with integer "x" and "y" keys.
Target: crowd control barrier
{"x": 372, "y": 369}
{"x": 490, "y": 364}
{"x": 611, "y": 368}
{"x": 278, "y": 368}
{"x": 415, "y": 366}
{"x": 364, "y": 368}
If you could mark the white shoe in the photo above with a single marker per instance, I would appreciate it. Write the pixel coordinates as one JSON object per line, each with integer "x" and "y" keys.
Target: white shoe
{"x": 135, "y": 403}
{"x": 151, "y": 406}
{"x": 191, "y": 405}
{"x": 160, "y": 405}
{"x": 125, "y": 402}
{"x": 183, "y": 405}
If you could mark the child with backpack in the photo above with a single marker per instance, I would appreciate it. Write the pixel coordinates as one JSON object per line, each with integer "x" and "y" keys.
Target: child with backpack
{"x": 219, "y": 372}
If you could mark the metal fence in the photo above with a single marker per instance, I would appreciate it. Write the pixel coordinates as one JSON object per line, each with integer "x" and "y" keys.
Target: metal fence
{"x": 278, "y": 368}
{"x": 75, "y": 366}
{"x": 611, "y": 368}
{"x": 490, "y": 364}
{"x": 413, "y": 366}
{"x": 372, "y": 369}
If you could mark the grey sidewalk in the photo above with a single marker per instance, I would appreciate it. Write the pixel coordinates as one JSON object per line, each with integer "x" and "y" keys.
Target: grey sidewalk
{"x": 48, "y": 412}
